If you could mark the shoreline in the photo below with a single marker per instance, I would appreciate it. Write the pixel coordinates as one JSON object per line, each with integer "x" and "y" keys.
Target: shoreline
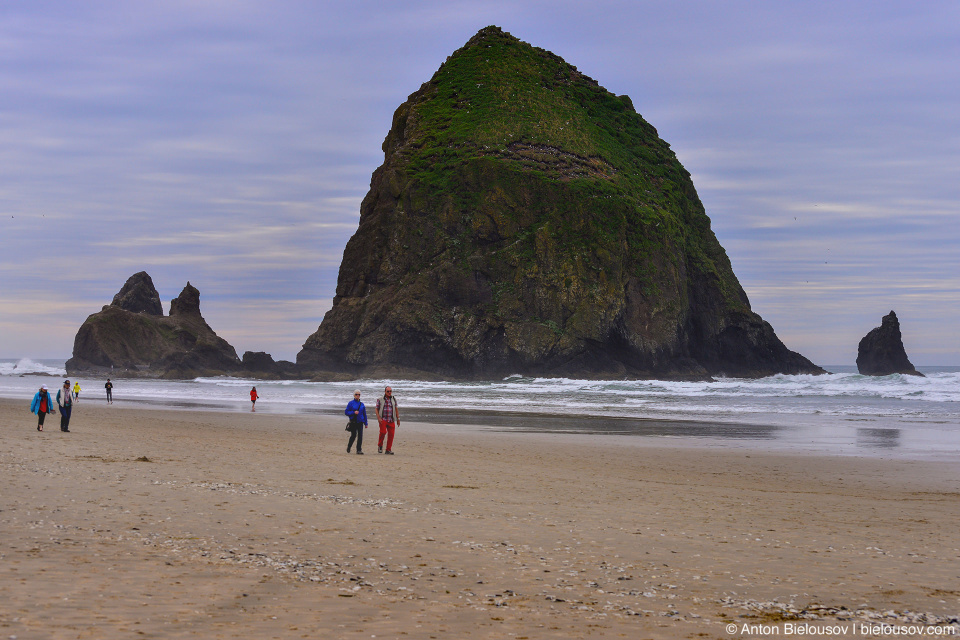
{"x": 226, "y": 524}
{"x": 893, "y": 438}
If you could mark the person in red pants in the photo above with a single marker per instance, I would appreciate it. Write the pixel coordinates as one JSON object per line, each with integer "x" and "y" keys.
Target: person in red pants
{"x": 389, "y": 418}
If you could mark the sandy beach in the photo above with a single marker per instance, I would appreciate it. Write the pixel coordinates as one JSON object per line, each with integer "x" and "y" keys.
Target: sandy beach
{"x": 201, "y": 524}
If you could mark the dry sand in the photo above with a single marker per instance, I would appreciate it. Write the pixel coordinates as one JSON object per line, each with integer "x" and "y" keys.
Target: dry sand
{"x": 197, "y": 524}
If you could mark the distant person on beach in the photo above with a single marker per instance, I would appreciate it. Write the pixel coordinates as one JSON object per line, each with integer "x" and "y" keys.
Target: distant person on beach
{"x": 389, "y": 419}
{"x": 42, "y": 405}
{"x": 76, "y": 390}
{"x": 358, "y": 421}
{"x": 109, "y": 388}
{"x": 65, "y": 402}
{"x": 253, "y": 399}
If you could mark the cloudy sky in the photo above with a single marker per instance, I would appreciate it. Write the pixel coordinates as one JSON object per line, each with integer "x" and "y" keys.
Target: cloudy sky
{"x": 229, "y": 143}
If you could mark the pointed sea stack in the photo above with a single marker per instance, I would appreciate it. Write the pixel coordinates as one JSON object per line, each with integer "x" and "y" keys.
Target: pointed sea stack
{"x": 187, "y": 304}
{"x": 132, "y": 338}
{"x": 138, "y": 295}
{"x": 526, "y": 220}
{"x": 881, "y": 352}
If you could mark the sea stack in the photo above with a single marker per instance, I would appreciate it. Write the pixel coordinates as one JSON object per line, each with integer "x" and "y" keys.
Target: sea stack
{"x": 258, "y": 364}
{"x": 881, "y": 351}
{"x": 527, "y": 221}
{"x": 131, "y": 337}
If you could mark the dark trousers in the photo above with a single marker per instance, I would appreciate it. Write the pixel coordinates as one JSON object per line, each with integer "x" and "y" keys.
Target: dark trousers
{"x": 356, "y": 433}
{"x": 65, "y": 417}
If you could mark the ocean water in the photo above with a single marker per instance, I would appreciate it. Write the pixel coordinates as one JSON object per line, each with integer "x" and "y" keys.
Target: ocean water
{"x": 842, "y": 412}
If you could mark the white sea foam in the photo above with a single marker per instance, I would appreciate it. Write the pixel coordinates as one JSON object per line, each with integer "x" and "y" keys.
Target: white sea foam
{"x": 26, "y": 366}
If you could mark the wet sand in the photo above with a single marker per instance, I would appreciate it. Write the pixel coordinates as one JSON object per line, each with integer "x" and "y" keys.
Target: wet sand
{"x": 199, "y": 524}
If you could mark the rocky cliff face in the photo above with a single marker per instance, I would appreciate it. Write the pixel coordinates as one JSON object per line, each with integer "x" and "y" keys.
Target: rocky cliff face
{"x": 526, "y": 220}
{"x": 881, "y": 351}
{"x": 131, "y": 337}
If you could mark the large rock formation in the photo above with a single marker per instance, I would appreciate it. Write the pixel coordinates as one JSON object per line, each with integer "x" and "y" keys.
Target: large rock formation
{"x": 526, "y": 220}
{"x": 131, "y": 337}
{"x": 881, "y": 351}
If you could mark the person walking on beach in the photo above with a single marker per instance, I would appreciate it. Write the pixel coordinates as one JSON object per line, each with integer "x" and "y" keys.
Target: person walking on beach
{"x": 389, "y": 419}
{"x": 76, "y": 390}
{"x": 42, "y": 405}
{"x": 253, "y": 399}
{"x": 358, "y": 421}
{"x": 65, "y": 402}
{"x": 109, "y": 388}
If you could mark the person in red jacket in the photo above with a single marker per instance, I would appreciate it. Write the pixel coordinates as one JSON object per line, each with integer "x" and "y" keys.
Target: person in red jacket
{"x": 253, "y": 399}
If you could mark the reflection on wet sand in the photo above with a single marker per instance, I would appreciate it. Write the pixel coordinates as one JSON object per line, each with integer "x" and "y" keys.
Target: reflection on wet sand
{"x": 878, "y": 438}
{"x": 179, "y": 404}
{"x": 526, "y": 422}
{"x": 831, "y": 437}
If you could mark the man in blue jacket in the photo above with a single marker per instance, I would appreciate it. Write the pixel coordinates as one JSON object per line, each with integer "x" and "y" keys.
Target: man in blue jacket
{"x": 358, "y": 421}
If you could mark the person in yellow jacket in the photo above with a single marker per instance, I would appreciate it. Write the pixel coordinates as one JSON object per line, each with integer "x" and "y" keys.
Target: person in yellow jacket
{"x": 76, "y": 390}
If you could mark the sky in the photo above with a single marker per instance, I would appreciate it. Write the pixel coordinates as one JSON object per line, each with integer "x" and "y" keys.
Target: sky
{"x": 229, "y": 144}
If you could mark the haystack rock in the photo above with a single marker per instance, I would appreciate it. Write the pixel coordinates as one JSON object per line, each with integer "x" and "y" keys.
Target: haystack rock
{"x": 132, "y": 337}
{"x": 881, "y": 351}
{"x": 526, "y": 220}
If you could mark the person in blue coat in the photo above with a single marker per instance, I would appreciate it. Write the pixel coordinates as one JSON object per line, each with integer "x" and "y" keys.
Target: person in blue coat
{"x": 358, "y": 421}
{"x": 42, "y": 405}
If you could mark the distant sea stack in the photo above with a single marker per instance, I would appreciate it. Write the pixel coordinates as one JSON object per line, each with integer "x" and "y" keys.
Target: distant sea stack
{"x": 526, "y": 220}
{"x": 132, "y": 337}
{"x": 881, "y": 351}
{"x": 257, "y": 364}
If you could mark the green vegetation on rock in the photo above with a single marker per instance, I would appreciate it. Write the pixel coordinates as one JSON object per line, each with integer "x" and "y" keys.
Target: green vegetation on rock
{"x": 526, "y": 220}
